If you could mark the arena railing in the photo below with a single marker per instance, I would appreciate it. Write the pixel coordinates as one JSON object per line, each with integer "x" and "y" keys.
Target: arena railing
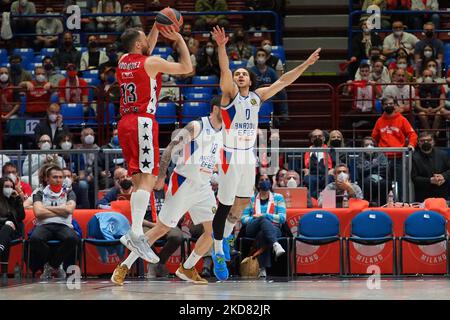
{"x": 354, "y": 13}
{"x": 375, "y": 183}
{"x": 275, "y": 15}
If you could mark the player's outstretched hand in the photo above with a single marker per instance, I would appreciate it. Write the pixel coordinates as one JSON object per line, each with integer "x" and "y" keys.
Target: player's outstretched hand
{"x": 313, "y": 57}
{"x": 159, "y": 185}
{"x": 220, "y": 36}
{"x": 170, "y": 33}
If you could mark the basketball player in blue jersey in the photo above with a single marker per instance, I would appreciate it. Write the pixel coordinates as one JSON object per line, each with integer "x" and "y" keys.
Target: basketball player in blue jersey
{"x": 195, "y": 150}
{"x": 240, "y": 106}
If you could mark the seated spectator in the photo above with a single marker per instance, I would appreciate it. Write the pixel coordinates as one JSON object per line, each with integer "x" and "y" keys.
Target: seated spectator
{"x": 181, "y": 78}
{"x": 10, "y": 100}
{"x": 392, "y": 130}
{"x": 171, "y": 93}
{"x": 38, "y": 94}
{"x": 430, "y": 43}
{"x": 404, "y": 94}
{"x": 378, "y": 74}
{"x": 113, "y": 57}
{"x": 52, "y": 125}
{"x": 239, "y": 48}
{"x": 279, "y": 181}
{"x": 38, "y": 160}
{"x": 364, "y": 91}
{"x": 50, "y": 72}
{"x": 12, "y": 214}
{"x": 341, "y": 185}
{"x": 128, "y": 22}
{"x": 263, "y": 219}
{"x": 122, "y": 185}
{"x": 20, "y": 24}
{"x": 261, "y": 21}
{"x": 48, "y": 30}
{"x": 16, "y": 71}
{"x": 397, "y": 40}
{"x": 22, "y": 188}
{"x": 192, "y": 43}
{"x": 204, "y": 23}
{"x": 402, "y": 63}
{"x": 433, "y": 66}
{"x": 336, "y": 140}
{"x": 110, "y": 92}
{"x": 105, "y": 23}
{"x": 74, "y": 162}
{"x": 66, "y": 53}
{"x": 115, "y": 160}
{"x": 86, "y": 7}
{"x": 430, "y": 170}
{"x": 94, "y": 57}
{"x": 73, "y": 89}
{"x": 362, "y": 43}
{"x": 265, "y": 75}
{"x": 53, "y": 208}
{"x": 315, "y": 166}
{"x": 292, "y": 174}
{"x": 208, "y": 61}
{"x": 381, "y": 4}
{"x": 430, "y": 101}
{"x": 3, "y": 159}
{"x": 427, "y": 5}
{"x": 272, "y": 61}
{"x": 42, "y": 183}
{"x": 371, "y": 173}
{"x": 375, "y": 56}
{"x": 80, "y": 187}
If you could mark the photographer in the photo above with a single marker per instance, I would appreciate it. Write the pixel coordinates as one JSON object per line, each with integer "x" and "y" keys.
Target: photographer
{"x": 122, "y": 185}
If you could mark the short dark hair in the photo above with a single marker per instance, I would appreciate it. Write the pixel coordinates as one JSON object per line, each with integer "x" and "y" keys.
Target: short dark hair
{"x": 341, "y": 165}
{"x": 426, "y": 134}
{"x": 52, "y": 168}
{"x": 215, "y": 101}
{"x": 252, "y": 76}
{"x": 8, "y": 164}
{"x": 369, "y": 138}
{"x": 383, "y": 101}
{"x": 260, "y": 50}
{"x": 129, "y": 37}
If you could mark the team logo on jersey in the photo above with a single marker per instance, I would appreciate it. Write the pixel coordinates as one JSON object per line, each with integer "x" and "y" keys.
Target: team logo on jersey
{"x": 127, "y": 75}
{"x": 214, "y": 210}
{"x": 253, "y": 102}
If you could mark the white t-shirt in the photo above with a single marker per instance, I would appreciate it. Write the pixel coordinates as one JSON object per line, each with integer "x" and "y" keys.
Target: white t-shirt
{"x": 408, "y": 41}
{"x": 404, "y": 95}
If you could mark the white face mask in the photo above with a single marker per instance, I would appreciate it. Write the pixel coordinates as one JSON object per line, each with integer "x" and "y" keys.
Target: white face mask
{"x": 165, "y": 77}
{"x": 433, "y": 69}
{"x": 342, "y": 176}
{"x": 46, "y": 146}
{"x": 52, "y": 118}
{"x": 7, "y": 192}
{"x": 4, "y": 77}
{"x": 260, "y": 61}
{"x": 89, "y": 139}
{"x": 402, "y": 65}
{"x": 267, "y": 48}
{"x": 67, "y": 182}
{"x": 41, "y": 78}
{"x": 13, "y": 177}
{"x": 209, "y": 51}
{"x": 66, "y": 145}
{"x": 427, "y": 53}
{"x": 427, "y": 80}
{"x": 398, "y": 34}
{"x": 366, "y": 30}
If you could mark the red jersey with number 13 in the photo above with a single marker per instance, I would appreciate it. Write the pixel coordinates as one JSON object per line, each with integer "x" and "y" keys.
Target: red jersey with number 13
{"x": 138, "y": 92}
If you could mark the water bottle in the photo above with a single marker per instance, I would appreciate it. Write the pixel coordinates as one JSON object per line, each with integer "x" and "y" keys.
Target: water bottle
{"x": 390, "y": 201}
{"x": 345, "y": 200}
{"x": 291, "y": 183}
{"x": 17, "y": 272}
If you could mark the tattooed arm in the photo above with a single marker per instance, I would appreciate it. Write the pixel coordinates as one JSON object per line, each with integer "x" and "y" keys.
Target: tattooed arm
{"x": 185, "y": 135}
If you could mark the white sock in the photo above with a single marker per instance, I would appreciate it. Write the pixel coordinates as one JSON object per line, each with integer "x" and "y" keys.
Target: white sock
{"x": 278, "y": 249}
{"x": 228, "y": 229}
{"x": 139, "y": 203}
{"x": 132, "y": 257}
{"x": 192, "y": 260}
{"x": 218, "y": 246}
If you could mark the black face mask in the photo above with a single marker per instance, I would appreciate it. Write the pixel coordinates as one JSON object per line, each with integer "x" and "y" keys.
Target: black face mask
{"x": 93, "y": 44}
{"x": 126, "y": 184}
{"x": 389, "y": 110}
{"x": 336, "y": 143}
{"x": 429, "y": 34}
{"x": 239, "y": 38}
{"x": 375, "y": 57}
{"x": 317, "y": 142}
{"x": 426, "y": 147}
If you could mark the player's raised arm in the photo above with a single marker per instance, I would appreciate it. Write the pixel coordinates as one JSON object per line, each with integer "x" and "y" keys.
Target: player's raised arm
{"x": 287, "y": 78}
{"x": 155, "y": 65}
{"x": 152, "y": 38}
{"x": 226, "y": 78}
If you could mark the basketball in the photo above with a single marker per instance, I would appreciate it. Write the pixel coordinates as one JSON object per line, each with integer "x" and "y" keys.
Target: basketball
{"x": 169, "y": 17}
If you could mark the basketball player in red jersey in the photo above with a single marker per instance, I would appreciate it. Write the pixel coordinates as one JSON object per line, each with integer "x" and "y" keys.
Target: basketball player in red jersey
{"x": 139, "y": 77}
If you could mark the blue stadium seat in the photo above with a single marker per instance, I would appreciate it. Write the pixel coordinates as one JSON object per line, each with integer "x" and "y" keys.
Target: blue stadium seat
{"x": 238, "y": 64}
{"x": 163, "y": 52}
{"x": 278, "y": 51}
{"x": 189, "y": 90}
{"x": 32, "y": 65}
{"x": 39, "y": 58}
{"x": 48, "y": 51}
{"x": 265, "y": 112}
{"x": 72, "y": 113}
{"x": 194, "y": 110}
{"x": 3, "y": 55}
{"x": 92, "y": 82}
{"x": 93, "y": 74}
{"x": 199, "y": 97}
{"x": 201, "y": 80}
{"x": 27, "y": 54}
{"x": 166, "y": 113}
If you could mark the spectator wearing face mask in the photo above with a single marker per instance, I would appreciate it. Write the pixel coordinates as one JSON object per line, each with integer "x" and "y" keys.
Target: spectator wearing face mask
{"x": 402, "y": 63}
{"x": 433, "y": 44}
{"x": 31, "y": 168}
{"x": 37, "y": 95}
{"x": 21, "y": 24}
{"x": 430, "y": 101}
{"x": 115, "y": 160}
{"x": 72, "y": 182}
{"x": 128, "y": 22}
{"x": 239, "y": 48}
{"x": 111, "y": 23}
{"x": 74, "y": 162}
{"x": 207, "y": 61}
{"x": 12, "y": 214}
{"x": 203, "y": 23}
{"x": 88, "y": 142}
{"x": 50, "y": 71}
{"x": 371, "y": 170}
{"x": 9, "y": 100}
{"x": 430, "y": 170}
{"x": 16, "y": 72}
{"x": 434, "y": 67}
{"x": 66, "y": 53}
{"x": 280, "y": 179}
{"x": 47, "y": 30}
{"x": 336, "y": 140}
{"x": 73, "y": 89}
{"x": 113, "y": 57}
{"x": 94, "y": 57}
{"x": 271, "y": 61}
{"x": 52, "y": 125}
{"x": 23, "y": 189}
{"x": 425, "y": 5}
{"x": 122, "y": 185}
{"x": 341, "y": 185}
{"x": 399, "y": 39}
{"x": 401, "y": 91}
{"x": 375, "y": 55}
{"x": 107, "y": 91}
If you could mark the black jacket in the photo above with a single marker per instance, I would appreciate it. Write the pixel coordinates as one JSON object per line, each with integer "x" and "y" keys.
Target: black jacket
{"x": 423, "y": 168}
{"x": 12, "y": 209}
{"x": 43, "y": 127}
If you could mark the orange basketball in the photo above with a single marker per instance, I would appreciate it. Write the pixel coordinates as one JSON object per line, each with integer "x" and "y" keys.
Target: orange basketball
{"x": 169, "y": 17}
